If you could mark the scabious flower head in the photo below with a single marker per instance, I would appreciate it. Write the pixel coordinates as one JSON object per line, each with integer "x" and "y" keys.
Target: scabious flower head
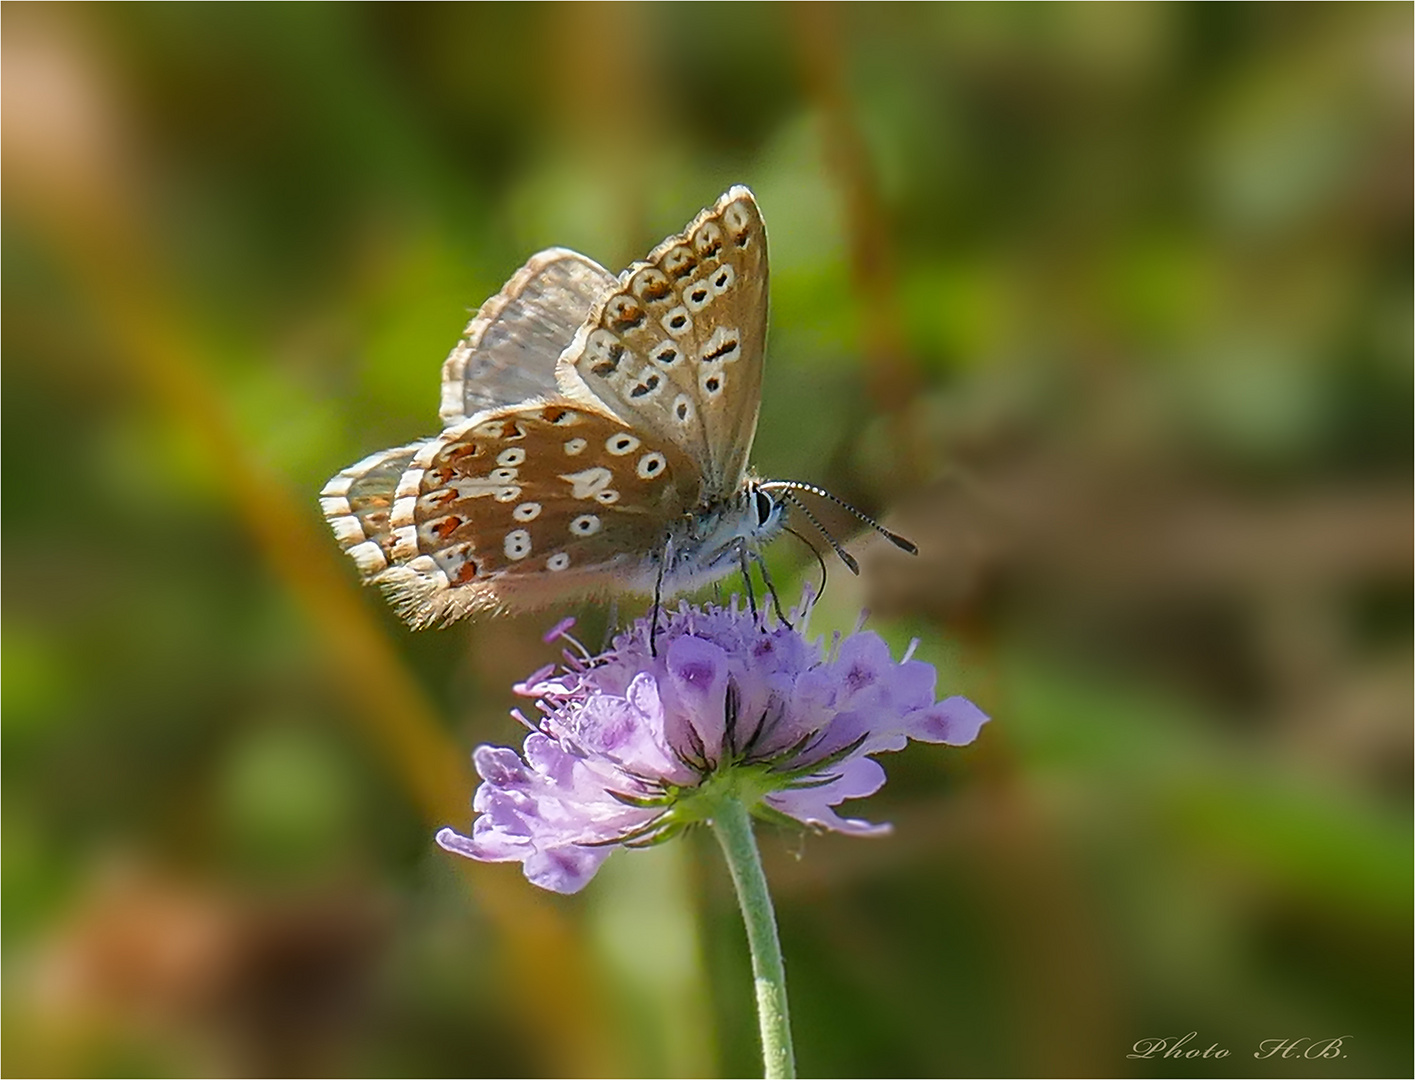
{"x": 635, "y": 745}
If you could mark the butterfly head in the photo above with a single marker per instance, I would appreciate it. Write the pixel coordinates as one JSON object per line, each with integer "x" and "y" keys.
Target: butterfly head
{"x": 715, "y": 539}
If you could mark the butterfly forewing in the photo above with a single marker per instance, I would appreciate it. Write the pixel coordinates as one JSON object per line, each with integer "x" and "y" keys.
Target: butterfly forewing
{"x": 596, "y": 435}
{"x": 676, "y": 349}
{"x": 507, "y": 353}
{"x": 519, "y": 507}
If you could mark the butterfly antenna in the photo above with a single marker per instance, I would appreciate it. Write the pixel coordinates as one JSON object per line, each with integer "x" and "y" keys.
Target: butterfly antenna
{"x": 813, "y": 551}
{"x": 845, "y": 556}
{"x": 796, "y": 485}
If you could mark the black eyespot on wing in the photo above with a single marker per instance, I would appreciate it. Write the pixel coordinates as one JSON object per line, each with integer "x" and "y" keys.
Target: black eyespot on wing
{"x": 722, "y": 352}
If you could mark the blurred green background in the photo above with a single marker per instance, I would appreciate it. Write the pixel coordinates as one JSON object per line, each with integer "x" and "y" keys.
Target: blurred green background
{"x": 1108, "y": 307}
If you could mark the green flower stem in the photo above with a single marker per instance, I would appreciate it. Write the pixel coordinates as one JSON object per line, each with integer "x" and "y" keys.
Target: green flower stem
{"x": 733, "y": 826}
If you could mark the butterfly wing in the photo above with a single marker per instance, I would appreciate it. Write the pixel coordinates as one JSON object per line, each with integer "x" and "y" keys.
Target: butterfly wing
{"x": 512, "y": 509}
{"x": 357, "y": 503}
{"x": 507, "y": 353}
{"x": 676, "y": 348}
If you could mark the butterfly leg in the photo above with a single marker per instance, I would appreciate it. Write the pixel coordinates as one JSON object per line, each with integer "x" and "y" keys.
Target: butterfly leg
{"x": 771, "y": 589}
{"x": 747, "y": 578}
{"x": 658, "y": 596}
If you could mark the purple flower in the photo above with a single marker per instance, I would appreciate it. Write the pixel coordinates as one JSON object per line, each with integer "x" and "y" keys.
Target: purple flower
{"x": 633, "y": 747}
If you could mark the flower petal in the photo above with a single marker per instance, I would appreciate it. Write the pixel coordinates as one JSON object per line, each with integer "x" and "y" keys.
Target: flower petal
{"x": 626, "y": 736}
{"x": 954, "y": 721}
{"x": 696, "y": 695}
{"x": 800, "y": 806}
{"x": 564, "y": 869}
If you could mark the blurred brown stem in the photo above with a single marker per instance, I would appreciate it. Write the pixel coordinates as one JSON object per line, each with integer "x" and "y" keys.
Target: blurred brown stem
{"x": 891, "y": 372}
{"x": 97, "y": 236}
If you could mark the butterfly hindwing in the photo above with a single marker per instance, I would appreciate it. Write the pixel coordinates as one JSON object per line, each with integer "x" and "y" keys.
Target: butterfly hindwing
{"x": 676, "y": 348}
{"x": 507, "y": 353}
{"x": 357, "y": 503}
{"x": 516, "y": 508}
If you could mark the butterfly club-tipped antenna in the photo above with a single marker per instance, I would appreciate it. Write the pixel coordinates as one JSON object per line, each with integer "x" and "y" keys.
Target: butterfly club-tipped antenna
{"x": 788, "y": 487}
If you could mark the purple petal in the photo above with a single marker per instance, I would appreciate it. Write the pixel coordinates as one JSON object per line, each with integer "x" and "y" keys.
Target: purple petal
{"x": 801, "y": 806}
{"x": 955, "y": 721}
{"x": 637, "y": 721}
{"x": 911, "y": 685}
{"x": 697, "y": 675}
{"x": 499, "y": 765}
{"x": 497, "y": 850}
{"x": 565, "y": 869}
{"x": 863, "y": 661}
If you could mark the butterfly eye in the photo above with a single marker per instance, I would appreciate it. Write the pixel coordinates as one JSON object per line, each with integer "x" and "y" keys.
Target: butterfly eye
{"x": 764, "y": 507}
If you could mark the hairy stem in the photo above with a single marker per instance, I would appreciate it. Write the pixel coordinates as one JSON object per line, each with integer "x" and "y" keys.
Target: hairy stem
{"x": 733, "y": 826}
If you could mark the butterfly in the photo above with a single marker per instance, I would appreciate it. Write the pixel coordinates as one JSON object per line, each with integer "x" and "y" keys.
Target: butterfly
{"x": 596, "y": 437}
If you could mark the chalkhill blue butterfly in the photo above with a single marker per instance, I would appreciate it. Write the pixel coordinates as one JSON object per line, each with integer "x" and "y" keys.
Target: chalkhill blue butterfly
{"x": 595, "y": 442}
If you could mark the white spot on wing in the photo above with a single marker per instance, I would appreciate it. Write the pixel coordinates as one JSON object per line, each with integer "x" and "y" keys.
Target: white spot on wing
{"x": 677, "y": 321}
{"x": 724, "y": 347}
{"x": 737, "y": 217}
{"x": 368, "y": 557}
{"x": 404, "y": 511}
{"x": 588, "y": 483}
{"x": 517, "y": 544}
{"x": 651, "y": 465}
{"x": 528, "y": 511}
{"x": 347, "y": 531}
{"x": 410, "y": 483}
{"x": 697, "y": 295}
{"x": 585, "y": 525}
{"x": 559, "y": 561}
{"x": 405, "y": 543}
{"x": 575, "y": 446}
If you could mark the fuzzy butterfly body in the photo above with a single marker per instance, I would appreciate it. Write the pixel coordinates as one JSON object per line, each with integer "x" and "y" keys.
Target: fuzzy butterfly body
{"x": 596, "y": 440}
